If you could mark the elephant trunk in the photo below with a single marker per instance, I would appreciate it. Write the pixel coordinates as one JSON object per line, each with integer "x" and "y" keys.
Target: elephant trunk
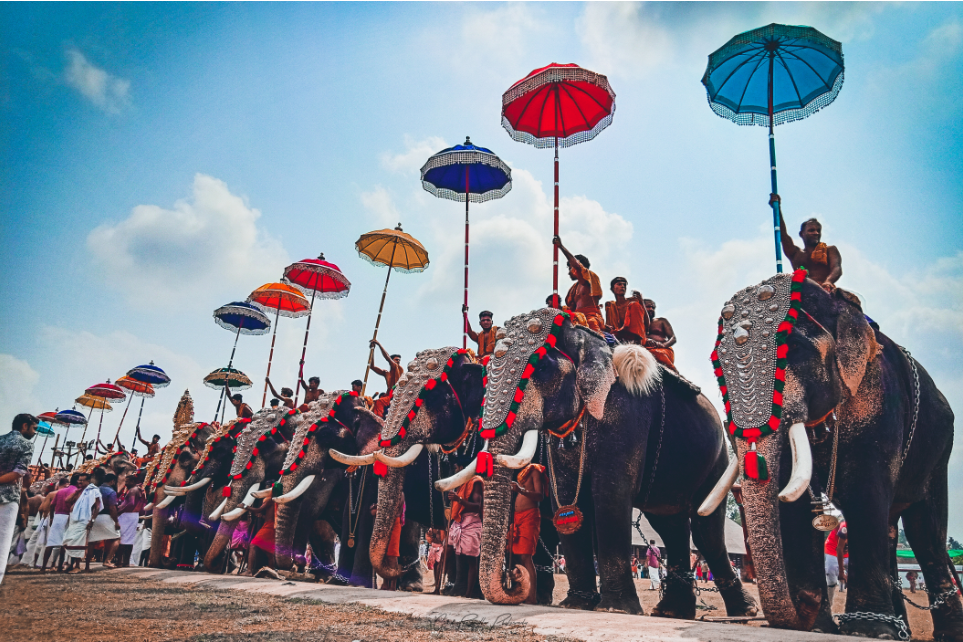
{"x": 213, "y": 560}
{"x": 761, "y": 503}
{"x": 158, "y": 525}
{"x": 286, "y": 520}
{"x": 498, "y": 498}
{"x": 390, "y": 498}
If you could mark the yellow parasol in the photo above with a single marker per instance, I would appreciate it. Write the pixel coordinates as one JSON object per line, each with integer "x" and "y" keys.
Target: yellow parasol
{"x": 395, "y": 250}
{"x": 94, "y": 403}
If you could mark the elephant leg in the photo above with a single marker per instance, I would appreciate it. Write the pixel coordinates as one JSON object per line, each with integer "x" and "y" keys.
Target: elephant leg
{"x": 579, "y": 549}
{"x": 869, "y": 585}
{"x": 678, "y": 594}
{"x": 708, "y": 534}
{"x": 612, "y": 496}
{"x": 805, "y": 566}
{"x": 925, "y": 524}
{"x": 322, "y": 538}
{"x": 346, "y": 556}
{"x": 544, "y": 563}
{"x": 411, "y": 580}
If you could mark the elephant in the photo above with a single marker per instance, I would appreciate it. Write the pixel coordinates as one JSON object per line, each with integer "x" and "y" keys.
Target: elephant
{"x": 118, "y": 463}
{"x": 647, "y": 439}
{"x": 836, "y": 406}
{"x": 313, "y": 492}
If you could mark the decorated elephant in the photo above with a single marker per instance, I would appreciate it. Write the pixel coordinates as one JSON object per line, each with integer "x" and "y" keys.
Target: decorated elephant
{"x": 642, "y": 437}
{"x": 118, "y": 462}
{"x": 446, "y": 415}
{"x": 171, "y": 467}
{"x": 313, "y": 494}
{"x": 819, "y": 400}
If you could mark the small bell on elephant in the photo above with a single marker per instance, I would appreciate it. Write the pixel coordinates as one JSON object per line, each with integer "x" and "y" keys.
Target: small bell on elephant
{"x": 573, "y": 440}
{"x": 561, "y": 443}
{"x": 755, "y": 467}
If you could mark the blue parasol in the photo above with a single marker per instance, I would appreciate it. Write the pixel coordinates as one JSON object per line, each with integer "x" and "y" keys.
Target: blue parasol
{"x": 240, "y": 317}
{"x": 773, "y": 75}
{"x": 149, "y": 374}
{"x": 471, "y": 174}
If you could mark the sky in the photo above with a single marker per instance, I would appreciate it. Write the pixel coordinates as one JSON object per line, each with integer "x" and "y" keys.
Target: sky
{"x": 160, "y": 160}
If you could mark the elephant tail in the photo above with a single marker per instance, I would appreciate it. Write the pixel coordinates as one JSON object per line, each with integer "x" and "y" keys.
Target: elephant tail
{"x": 636, "y": 368}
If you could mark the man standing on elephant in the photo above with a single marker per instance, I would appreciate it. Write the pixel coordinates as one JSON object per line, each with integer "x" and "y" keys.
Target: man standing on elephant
{"x": 661, "y": 337}
{"x": 585, "y": 294}
{"x": 823, "y": 261}
{"x": 394, "y": 370}
{"x": 486, "y": 338}
{"x": 465, "y": 534}
{"x": 625, "y": 318}
{"x": 524, "y": 529}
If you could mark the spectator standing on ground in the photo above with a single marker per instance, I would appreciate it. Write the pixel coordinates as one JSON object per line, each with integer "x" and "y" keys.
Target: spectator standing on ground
{"x": 16, "y": 451}
{"x": 653, "y": 559}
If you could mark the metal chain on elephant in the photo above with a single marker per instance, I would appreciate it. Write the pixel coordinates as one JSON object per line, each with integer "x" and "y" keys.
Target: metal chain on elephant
{"x": 898, "y": 622}
{"x": 937, "y": 599}
{"x": 916, "y": 404}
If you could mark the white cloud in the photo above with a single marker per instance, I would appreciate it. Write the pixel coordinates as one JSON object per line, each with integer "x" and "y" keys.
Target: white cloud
{"x": 415, "y": 154}
{"x": 381, "y": 206}
{"x": 623, "y": 37}
{"x": 17, "y": 383}
{"x": 107, "y": 91}
{"x": 210, "y": 243}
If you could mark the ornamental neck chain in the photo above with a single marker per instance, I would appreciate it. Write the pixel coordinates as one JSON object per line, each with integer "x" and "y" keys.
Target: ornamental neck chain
{"x": 355, "y": 507}
{"x": 567, "y": 519}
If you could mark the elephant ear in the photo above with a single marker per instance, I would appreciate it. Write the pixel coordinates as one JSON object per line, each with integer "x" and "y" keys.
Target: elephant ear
{"x": 594, "y": 374}
{"x": 855, "y": 340}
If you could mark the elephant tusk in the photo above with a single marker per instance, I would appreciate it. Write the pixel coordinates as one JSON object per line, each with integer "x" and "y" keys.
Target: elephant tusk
{"x": 296, "y": 492}
{"x": 721, "y": 489}
{"x": 196, "y": 486}
{"x": 460, "y": 478}
{"x": 216, "y": 515}
{"x": 351, "y": 460}
{"x": 232, "y": 515}
{"x": 802, "y": 464}
{"x": 400, "y": 462}
{"x": 167, "y": 501}
{"x": 262, "y": 494}
{"x": 525, "y": 453}
{"x": 174, "y": 490}
{"x": 149, "y": 506}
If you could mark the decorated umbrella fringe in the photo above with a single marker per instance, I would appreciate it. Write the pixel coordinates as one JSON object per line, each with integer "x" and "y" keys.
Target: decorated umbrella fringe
{"x": 245, "y": 318}
{"x": 283, "y": 299}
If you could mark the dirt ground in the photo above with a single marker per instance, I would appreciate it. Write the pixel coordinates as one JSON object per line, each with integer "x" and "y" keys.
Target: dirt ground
{"x": 120, "y": 608}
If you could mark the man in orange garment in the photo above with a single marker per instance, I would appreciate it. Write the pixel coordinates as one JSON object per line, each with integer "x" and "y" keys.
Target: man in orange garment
{"x": 524, "y": 529}
{"x": 464, "y": 536}
{"x": 585, "y": 294}
{"x": 625, "y": 318}
{"x": 486, "y": 338}
{"x": 661, "y": 337}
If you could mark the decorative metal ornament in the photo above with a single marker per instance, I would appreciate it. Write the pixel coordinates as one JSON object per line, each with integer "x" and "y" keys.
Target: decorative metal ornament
{"x": 261, "y": 424}
{"x": 350, "y": 542}
{"x": 567, "y": 519}
{"x": 316, "y": 410}
{"x": 825, "y": 522}
{"x": 426, "y": 366}
{"x": 520, "y": 343}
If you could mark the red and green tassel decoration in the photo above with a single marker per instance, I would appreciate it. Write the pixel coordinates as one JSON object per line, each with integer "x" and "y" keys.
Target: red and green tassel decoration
{"x": 754, "y": 466}
{"x": 485, "y": 464}
{"x": 380, "y": 468}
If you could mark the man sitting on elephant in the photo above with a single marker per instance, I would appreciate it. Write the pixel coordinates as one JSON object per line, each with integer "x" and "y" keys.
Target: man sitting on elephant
{"x": 286, "y": 396}
{"x": 584, "y": 296}
{"x": 527, "y": 520}
{"x": 486, "y": 338}
{"x": 661, "y": 337}
{"x": 625, "y": 318}
{"x": 823, "y": 261}
{"x": 465, "y": 534}
{"x": 394, "y": 370}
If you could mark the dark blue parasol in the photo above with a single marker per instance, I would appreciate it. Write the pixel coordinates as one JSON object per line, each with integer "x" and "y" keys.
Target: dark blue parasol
{"x": 470, "y": 174}
{"x": 240, "y": 317}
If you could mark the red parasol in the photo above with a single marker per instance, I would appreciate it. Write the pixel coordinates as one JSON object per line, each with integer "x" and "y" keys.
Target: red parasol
{"x": 324, "y": 280}
{"x": 285, "y": 300}
{"x": 109, "y": 393}
{"x": 558, "y": 106}
{"x": 50, "y": 418}
{"x": 136, "y": 389}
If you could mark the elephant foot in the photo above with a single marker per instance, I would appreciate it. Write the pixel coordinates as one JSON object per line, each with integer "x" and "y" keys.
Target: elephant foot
{"x": 545, "y": 589}
{"x": 948, "y": 628}
{"x": 872, "y": 625}
{"x": 738, "y": 601}
{"x": 334, "y": 580}
{"x": 678, "y": 598}
{"x": 581, "y": 600}
{"x": 415, "y": 586}
{"x": 622, "y": 602}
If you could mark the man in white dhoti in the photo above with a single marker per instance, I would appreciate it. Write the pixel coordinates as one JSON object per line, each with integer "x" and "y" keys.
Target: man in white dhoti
{"x": 82, "y": 518}
{"x": 63, "y": 501}
{"x": 106, "y": 526}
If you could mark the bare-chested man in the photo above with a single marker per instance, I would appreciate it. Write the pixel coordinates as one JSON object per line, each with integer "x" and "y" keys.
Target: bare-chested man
{"x": 584, "y": 296}
{"x": 486, "y": 338}
{"x": 661, "y": 337}
{"x": 524, "y": 530}
{"x": 243, "y": 410}
{"x": 312, "y": 391}
{"x": 823, "y": 261}
{"x": 394, "y": 370}
{"x": 625, "y": 318}
{"x": 152, "y": 448}
{"x": 286, "y": 395}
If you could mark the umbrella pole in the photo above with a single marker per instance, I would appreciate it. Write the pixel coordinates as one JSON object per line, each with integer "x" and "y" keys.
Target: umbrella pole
{"x": 381, "y": 307}
{"x": 776, "y": 214}
{"x": 54, "y": 453}
{"x": 464, "y": 328}
{"x": 274, "y": 336}
{"x": 555, "y": 302}
{"x": 99, "y": 426}
{"x": 117, "y": 436}
{"x": 220, "y": 398}
{"x": 304, "y": 350}
{"x": 137, "y": 430}
{"x": 42, "y": 446}
{"x": 84, "y": 435}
